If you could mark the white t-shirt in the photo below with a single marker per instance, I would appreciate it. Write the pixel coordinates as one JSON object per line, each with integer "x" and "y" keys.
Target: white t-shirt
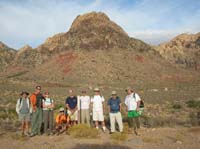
{"x": 47, "y": 102}
{"x": 131, "y": 102}
{"x": 84, "y": 101}
{"x": 97, "y": 101}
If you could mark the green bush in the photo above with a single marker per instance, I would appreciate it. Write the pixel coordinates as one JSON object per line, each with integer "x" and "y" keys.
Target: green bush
{"x": 193, "y": 104}
{"x": 176, "y": 106}
{"x": 83, "y": 131}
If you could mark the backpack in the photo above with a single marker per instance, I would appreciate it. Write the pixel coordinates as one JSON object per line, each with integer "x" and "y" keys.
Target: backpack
{"x": 20, "y": 101}
{"x": 141, "y": 101}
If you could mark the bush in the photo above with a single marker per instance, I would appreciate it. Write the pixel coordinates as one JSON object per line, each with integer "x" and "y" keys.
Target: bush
{"x": 83, "y": 131}
{"x": 193, "y": 104}
{"x": 176, "y": 106}
{"x": 119, "y": 136}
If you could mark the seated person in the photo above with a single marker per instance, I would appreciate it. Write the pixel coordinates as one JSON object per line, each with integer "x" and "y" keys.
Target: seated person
{"x": 62, "y": 121}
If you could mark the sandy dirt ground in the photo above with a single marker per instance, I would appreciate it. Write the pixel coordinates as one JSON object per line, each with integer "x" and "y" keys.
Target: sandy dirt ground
{"x": 150, "y": 138}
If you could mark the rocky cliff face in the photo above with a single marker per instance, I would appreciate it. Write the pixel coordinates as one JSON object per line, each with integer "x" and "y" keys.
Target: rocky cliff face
{"x": 6, "y": 55}
{"x": 93, "y": 31}
{"x": 182, "y": 50}
{"x": 90, "y": 32}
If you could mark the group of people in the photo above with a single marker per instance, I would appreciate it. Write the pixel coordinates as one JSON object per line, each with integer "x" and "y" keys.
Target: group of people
{"x": 39, "y": 110}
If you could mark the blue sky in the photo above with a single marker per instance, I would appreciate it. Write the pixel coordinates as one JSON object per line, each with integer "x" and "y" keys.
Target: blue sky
{"x": 153, "y": 21}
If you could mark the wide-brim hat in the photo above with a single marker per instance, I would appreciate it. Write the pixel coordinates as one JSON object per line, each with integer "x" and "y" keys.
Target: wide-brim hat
{"x": 23, "y": 92}
{"x": 114, "y": 93}
{"x": 61, "y": 109}
{"x": 96, "y": 89}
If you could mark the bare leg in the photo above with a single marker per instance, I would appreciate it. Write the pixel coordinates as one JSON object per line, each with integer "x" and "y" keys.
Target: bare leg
{"x": 27, "y": 127}
{"x": 103, "y": 126}
{"x": 23, "y": 127}
{"x": 97, "y": 124}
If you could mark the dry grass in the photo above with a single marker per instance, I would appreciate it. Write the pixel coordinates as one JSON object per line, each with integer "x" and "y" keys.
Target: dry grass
{"x": 83, "y": 131}
{"x": 151, "y": 140}
{"x": 119, "y": 136}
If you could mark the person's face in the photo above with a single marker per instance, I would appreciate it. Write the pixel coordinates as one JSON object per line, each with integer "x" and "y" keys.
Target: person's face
{"x": 83, "y": 93}
{"x": 97, "y": 93}
{"x": 62, "y": 113}
{"x": 129, "y": 92}
{"x": 114, "y": 96}
{"x": 71, "y": 92}
{"x": 24, "y": 96}
{"x": 38, "y": 89}
{"x": 46, "y": 95}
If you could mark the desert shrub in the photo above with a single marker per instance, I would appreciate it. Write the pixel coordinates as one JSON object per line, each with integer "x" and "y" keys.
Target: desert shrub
{"x": 176, "y": 106}
{"x": 58, "y": 106}
{"x": 193, "y": 104}
{"x": 17, "y": 74}
{"x": 119, "y": 136}
{"x": 8, "y": 114}
{"x": 83, "y": 131}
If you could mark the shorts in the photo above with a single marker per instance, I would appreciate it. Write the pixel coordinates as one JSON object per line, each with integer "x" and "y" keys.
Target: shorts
{"x": 98, "y": 116}
{"x": 133, "y": 114}
{"x": 24, "y": 117}
{"x": 74, "y": 116}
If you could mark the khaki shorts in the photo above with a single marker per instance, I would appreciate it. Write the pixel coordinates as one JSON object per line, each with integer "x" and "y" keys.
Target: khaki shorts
{"x": 74, "y": 116}
{"x": 98, "y": 116}
{"x": 24, "y": 117}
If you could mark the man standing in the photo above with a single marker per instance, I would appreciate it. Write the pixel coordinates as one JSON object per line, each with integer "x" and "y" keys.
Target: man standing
{"x": 23, "y": 109}
{"x": 114, "y": 105}
{"x": 132, "y": 102}
{"x": 98, "y": 108}
{"x": 84, "y": 108}
{"x": 36, "y": 101}
{"x": 71, "y": 105}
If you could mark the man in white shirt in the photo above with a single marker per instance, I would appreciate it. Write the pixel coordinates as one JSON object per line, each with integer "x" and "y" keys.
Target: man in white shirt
{"x": 84, "y": 108}
{"x": 98, "y": 108}
{"x": 132, "y": 102}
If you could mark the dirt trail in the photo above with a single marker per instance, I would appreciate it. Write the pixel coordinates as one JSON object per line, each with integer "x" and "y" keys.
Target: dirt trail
{"x": 151, "y": 138}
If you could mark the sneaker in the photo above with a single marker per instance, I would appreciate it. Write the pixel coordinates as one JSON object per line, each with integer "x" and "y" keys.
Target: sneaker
{"x": 32, "y": 135}
{"x": 104, "y": 129}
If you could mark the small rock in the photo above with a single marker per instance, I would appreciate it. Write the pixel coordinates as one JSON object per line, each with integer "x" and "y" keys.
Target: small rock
{"x": 179, "y": 142}
{"x": 153, "y": 129}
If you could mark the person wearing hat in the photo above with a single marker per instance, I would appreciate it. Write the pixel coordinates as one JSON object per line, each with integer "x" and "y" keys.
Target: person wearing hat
{"x": 48, "y": 106}
{"x": 62, "y": 121}
{"x": 98, "y": 107}
{"x": 24, "y": 109}
{"x": 114, "y": 106}
{"x": 84, "y": 108}
{"x": 132, "y": 102}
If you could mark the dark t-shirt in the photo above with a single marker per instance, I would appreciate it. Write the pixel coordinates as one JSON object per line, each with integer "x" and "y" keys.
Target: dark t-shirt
{"x": 114, "y": 105}
{"x": 71, "y": 101}
{"x": 39, "y": 99}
